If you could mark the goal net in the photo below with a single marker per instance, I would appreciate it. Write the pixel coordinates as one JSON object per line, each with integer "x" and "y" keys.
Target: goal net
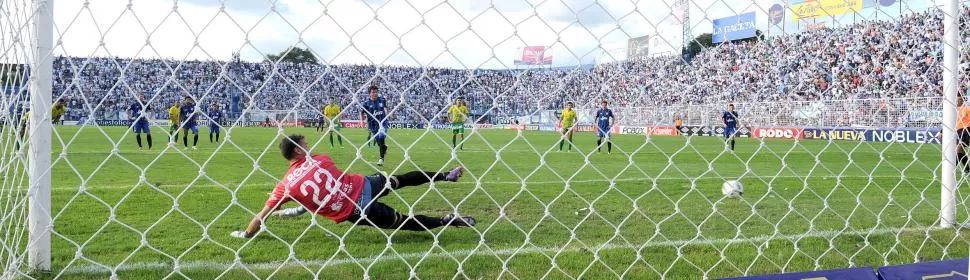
{"x": 141, "y": 138}
{"x": 15, "y": 200}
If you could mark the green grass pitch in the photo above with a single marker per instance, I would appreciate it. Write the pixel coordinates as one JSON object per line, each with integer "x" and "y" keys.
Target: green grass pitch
{"x": 657, "y": 208}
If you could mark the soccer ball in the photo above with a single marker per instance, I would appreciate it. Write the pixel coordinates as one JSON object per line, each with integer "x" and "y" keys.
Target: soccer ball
{"x": 732, "y": 188}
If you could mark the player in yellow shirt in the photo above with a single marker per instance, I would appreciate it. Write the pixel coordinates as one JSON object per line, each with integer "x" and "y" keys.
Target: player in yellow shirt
{"x": 456, "y": 116}
{"x": 58, "y": 111}
{"x": 322, "y": 122}
{"x": 332, "y": 113}
{"x": 567, "y": 121}
{"x": 173, "y": 122}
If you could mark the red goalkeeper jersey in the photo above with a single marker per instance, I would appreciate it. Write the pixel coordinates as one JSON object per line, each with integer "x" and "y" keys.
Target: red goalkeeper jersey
{"x": 320, "y": 187}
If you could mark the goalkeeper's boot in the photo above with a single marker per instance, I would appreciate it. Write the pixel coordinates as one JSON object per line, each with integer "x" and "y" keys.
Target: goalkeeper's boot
{"x": 454, "y": 174}
{"x": 458, "y": 221}
{"x": 380, "y": 162}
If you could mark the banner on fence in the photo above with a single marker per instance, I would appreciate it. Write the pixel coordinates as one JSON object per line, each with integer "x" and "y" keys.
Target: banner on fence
{"x": 663, "y": 130}
{"x": 741, "y": 132}
{"x": 940, "y": 270}
{"x": 925, "y": 115}
{"x": 512, "y": 120}
{"x": 906, "y": 135}
{"x": 467, "y": 125}
{"x": 613, "y": 130}
{"x": 834, "y": 134}
{"x": 734, "y": 28}
{"x": 353, "y": 124}
{"x": 901, "y": 135}
{"x": 858, "y": 273}
{"x": 404, "y": 125}
{"x": 534, "y": 55}
{"x": 633, "y": 130}
{"x": 824, "y": 8}
{"x": 113, "y": 122}
{"x": 694, "y": 130}
{"x": 578, "y": 128}
{"x": 547, "y": 127}
{"x": 778, "y": 133}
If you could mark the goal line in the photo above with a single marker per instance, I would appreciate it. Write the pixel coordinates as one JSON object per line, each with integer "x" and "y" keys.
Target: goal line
{"x": 212, "y": 265}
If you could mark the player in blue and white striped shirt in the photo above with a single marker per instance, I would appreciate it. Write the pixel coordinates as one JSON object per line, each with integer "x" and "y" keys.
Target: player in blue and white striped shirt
{"x": 375, "y": 114}
{"x": 604, "y": 122}
{"x": 730, "y": 118}
{"x": 137, "y": 113}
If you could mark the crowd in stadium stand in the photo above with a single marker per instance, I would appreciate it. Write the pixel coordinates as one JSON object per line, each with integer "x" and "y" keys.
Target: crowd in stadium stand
{"x": 871, "y": 59}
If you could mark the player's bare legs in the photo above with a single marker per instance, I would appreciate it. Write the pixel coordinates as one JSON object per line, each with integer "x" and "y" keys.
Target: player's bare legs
{"x": 339, "y": 139}
{"x": 173, "y": 133}
{"x": 567, "y": 139}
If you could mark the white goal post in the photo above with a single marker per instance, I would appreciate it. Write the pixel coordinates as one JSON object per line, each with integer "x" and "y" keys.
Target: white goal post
{"x": 951, "y": 89}
{"x": 41, "y": 223}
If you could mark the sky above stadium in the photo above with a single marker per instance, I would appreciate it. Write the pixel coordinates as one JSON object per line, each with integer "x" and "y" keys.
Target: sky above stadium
{"x": 460, "y": 33}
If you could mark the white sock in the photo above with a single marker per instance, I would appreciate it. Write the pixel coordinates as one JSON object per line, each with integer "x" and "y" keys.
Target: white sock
{"x": 291, "y": 212}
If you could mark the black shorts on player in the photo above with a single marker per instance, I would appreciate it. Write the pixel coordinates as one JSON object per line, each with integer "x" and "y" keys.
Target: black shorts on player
{"x": 381, "y": 215}
{"x": 963, "y": 136}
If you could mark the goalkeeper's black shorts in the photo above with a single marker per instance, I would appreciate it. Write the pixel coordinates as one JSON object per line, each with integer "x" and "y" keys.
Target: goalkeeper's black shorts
{"x": 378, "y": 214}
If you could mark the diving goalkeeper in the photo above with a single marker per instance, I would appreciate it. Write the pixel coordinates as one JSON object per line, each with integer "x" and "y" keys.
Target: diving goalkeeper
{"x": 316, "y": 183}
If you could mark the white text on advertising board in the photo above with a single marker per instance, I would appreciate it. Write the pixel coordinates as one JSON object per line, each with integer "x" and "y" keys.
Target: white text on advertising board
{"x": 784, "y": 133}
{"x": 663, "y": 131}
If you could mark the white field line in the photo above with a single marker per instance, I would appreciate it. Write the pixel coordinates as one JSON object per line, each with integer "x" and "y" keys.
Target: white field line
{"x": 527, "y": 182}
{"x": 207, "y": 151}
{"x": 459, "y": 254}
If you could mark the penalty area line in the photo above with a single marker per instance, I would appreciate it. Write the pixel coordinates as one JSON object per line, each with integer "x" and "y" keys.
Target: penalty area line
{"x": 462, "y": 253}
